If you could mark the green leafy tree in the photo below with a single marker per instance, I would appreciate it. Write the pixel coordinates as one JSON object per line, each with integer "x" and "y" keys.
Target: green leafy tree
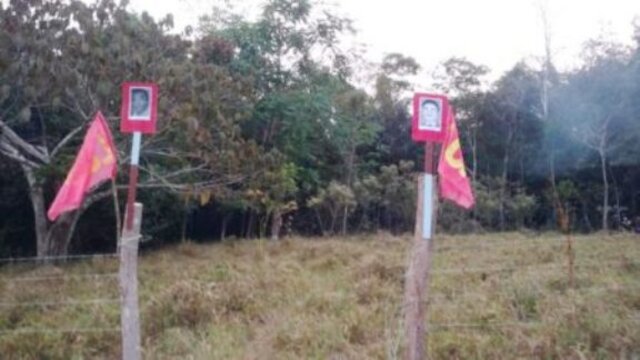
{"x": 62, "y": 61}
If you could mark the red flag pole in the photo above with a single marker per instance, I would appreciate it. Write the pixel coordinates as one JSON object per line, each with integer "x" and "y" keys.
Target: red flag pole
{"x": 428, "y": 157}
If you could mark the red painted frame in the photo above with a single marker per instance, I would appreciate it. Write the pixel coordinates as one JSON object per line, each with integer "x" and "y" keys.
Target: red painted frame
{"x": 145, "y": 126}
{"x": 419, "y": 135}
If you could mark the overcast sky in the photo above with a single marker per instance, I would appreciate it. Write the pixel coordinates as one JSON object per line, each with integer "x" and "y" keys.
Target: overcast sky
{"x": 496, "y": 33}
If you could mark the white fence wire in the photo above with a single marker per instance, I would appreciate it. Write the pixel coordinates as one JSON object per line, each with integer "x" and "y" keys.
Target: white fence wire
{"x": 30, "y": 331}
{"x": 46, "y": 259}
{"x": 593, "y": 261}
{"x": 14, "y": 268}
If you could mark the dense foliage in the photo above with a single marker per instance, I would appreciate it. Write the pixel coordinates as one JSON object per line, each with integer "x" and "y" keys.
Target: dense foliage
{"x": 263, "y": 129}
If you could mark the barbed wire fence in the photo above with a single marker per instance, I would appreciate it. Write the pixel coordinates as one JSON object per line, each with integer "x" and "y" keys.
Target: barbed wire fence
{"x": 36, "y": 286}
{"x": 77, "y": 297}
{"x": 32, "y": 288}
{"x": 464, "y": 271}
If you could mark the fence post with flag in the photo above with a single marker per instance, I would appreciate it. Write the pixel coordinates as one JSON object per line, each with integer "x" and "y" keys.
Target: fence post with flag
{"x": 138, "y": 116}
{"x": 432, "y": 123}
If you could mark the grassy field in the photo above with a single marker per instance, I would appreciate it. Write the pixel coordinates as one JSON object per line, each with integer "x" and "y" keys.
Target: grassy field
{"x": 492, "y": 297}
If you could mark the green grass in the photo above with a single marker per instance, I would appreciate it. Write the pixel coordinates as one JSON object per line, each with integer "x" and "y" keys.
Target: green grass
{"x": 491, "y": 297}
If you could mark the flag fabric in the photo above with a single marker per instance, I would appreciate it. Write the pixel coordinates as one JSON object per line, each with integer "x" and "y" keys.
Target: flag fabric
{"x": 95, "y": 163}
{"x": 453, "y": 180}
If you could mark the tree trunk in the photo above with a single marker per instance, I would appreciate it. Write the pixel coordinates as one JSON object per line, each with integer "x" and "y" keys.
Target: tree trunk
{"x": 262, "y": 224}
{"x": 350, "y": 174}
{"x": 544, "y": 96}
{"x": 334, "y": 219}
{"x": 223, "y": 230}
{"x": 503, "y": 182}
{"x": 616, "y": 193}
{"x": 36, "y": 194}
{"x": 585, "y": 215}
{"x": 276, "y": 224}
{"x": 605, "y": 184}
{"x": 53, "y": 239}
{"x": 552, "y": 173}
{"x": 250, "y": 225}
{"x": 345, "y": 217}
{"x": 60, "y": 233}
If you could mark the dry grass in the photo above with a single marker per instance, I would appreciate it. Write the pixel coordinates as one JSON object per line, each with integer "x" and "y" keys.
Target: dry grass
{"x": 493, "y": 296}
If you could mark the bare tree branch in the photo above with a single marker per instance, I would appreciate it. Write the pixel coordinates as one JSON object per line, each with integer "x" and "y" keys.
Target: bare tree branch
{"x": 9, "y": 151}
{"x": 66, "y": 140}
{"x": 162, "y": 181}
{"x": 95, "y": 197}
{"x": 9, "y": 136}
{"x": 188, "y": 171}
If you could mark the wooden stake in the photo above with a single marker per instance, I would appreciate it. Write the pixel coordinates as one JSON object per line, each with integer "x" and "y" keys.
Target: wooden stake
{"x": 416, "y": 285}
{"x": 128, "y": 278}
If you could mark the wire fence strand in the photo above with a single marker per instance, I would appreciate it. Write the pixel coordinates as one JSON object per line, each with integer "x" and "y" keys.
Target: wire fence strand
{"x": 472, "y": 270}
{"x": 45, "y": 259}
{"x": 58, "y": 277}
{"x": 488, "y": 325}
{"x": 23, "y": 331}
{"x": 517, "y": 244}
{"x": 439, "y": 327}
{"x": 64, "y": 303}
{"x": 439, "y": 299}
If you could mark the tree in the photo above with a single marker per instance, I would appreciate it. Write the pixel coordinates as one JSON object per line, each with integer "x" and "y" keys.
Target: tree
{"x": 64, "y": 60}
{"x": 329, "y": 204}
{"x": 391, "y": 99}
{"x": 512, "y": 107}
{"x": 297, "y": 115}
{"x": 596, "y": 106}
{"x": 42, "y": 89}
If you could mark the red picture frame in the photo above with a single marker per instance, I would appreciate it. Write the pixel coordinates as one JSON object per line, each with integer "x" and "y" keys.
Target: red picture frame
{"x": 139, "y": 111}
{"x": 431, "y": 117}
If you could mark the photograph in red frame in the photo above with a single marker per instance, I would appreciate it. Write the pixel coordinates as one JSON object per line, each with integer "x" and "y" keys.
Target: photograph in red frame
{"x": 430, "y": 117}
{"x": 139, "y": 107}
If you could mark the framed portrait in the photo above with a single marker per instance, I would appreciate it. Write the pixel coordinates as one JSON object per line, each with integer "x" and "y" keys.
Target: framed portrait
{"x": 430, "y": 117}
{"x": 430, "y": 114}
{"x": 139, "y": 107}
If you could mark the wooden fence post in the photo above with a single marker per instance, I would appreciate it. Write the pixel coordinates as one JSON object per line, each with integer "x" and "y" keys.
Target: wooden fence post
{"x": 417, "y": 276}
{"x": 128, "y": 278}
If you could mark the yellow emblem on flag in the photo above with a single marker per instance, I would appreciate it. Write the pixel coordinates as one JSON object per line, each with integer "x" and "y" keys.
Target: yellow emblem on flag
{"x": 106, "y": 160}
{"x": 450, "y": 156}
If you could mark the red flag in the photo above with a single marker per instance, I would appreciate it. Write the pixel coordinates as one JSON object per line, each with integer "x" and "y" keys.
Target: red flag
{"x": 95, "y": 163}
{"x": 454, "y": 183}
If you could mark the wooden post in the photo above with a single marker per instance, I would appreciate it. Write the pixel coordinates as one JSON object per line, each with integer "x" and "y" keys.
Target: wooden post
{"x": 417, "y": 275}
{"x": 128, "y": 278}
{"x": 133, "y": 179}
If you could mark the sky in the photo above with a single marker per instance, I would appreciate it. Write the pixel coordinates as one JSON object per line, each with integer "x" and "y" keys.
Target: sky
{"x": 495, "y": 33}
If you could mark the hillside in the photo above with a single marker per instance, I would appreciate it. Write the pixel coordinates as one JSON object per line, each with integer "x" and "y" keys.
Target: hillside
{"x": 492, "y": 296}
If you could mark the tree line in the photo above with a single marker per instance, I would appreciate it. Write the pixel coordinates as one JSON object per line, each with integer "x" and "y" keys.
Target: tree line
{"x": 265, "y": 129}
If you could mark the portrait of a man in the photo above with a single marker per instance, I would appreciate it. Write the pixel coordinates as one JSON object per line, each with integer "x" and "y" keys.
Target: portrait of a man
{"x": 430, "y": 114}
{"x": 140, "y": 104}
